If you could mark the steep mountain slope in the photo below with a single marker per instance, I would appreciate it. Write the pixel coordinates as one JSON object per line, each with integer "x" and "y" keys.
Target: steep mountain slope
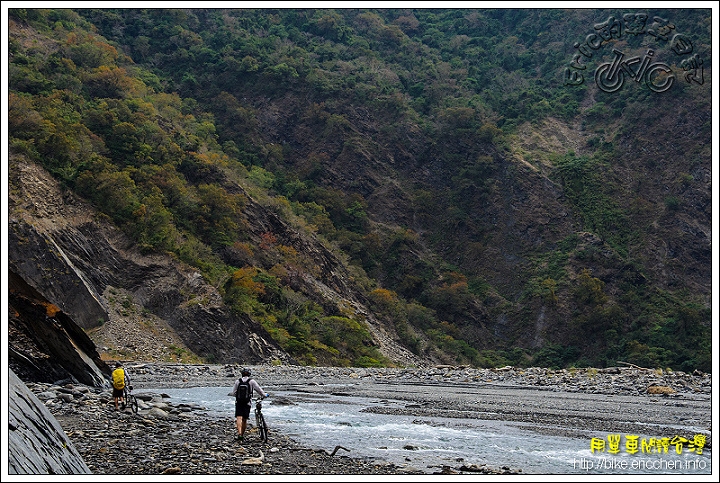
{"x": 489, "y": 213}
{"x": 142, "y": 307}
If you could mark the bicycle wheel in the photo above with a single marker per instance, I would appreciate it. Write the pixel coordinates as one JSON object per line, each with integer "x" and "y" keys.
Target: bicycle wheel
{"x": 133, "y": 402}
{"x": 262, "y": 427}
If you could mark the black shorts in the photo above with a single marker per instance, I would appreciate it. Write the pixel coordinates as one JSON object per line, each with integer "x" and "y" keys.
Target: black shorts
{"x": 242, "y": 409}
{"x": 118, "y": 392}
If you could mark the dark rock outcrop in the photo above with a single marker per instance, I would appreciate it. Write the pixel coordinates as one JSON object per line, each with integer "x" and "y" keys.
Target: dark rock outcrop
{"x": 37, "y": 443}
{"x": 45, "y": 344}
{"x": 47, "y": 267}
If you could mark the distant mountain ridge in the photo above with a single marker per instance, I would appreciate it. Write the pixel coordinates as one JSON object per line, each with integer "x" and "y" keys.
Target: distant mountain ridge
{"x": 373, "y": 187}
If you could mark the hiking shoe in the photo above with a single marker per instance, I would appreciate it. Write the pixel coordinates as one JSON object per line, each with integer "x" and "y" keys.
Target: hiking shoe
{"x": 239, "y": 438}
{"x": 122, "y": 406}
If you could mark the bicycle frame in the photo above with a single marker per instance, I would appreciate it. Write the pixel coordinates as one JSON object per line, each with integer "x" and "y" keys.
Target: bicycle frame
{"x": 260, "y": 421}
{"x": 130, "y": 399}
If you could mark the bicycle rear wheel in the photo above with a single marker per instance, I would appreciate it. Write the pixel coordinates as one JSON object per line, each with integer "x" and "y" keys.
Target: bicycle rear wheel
{"x": 125, "y": 399}
{"x": 262, "y": 427}
{"x": 133, "y": 402}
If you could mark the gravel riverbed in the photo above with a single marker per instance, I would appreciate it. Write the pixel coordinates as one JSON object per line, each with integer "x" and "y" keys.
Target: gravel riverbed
{"x": 169, "y": 438}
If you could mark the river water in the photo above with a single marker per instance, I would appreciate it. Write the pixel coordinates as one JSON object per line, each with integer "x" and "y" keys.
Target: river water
{"x": 429, "y": 443}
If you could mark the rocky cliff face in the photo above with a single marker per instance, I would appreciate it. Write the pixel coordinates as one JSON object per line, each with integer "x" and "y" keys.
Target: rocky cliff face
{"x": 45, "y": 344}
{"x": 36, "y": 442}
{"x": 79, "y": 262}
{"x": 137, "y": 306}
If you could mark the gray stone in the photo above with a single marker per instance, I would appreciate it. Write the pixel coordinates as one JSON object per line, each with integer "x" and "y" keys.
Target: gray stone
{"x": 157, "y": 413}
{"x": 45, "y": 395}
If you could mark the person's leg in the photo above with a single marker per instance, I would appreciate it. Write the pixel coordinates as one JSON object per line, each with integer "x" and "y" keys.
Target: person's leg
{"x": 241, "y": 416}
{"x": 243, "y": 426}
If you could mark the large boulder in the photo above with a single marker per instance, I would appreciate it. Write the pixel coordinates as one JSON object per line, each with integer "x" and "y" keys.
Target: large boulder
{"x": 37, "y": 444}
{"x": 45, "y": 344}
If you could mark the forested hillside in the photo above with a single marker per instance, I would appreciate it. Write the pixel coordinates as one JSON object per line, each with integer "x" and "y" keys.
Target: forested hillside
{"x": 491, "y": 201}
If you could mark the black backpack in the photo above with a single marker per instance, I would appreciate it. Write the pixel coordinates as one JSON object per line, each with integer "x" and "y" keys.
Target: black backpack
{"x": 244, "y": 392}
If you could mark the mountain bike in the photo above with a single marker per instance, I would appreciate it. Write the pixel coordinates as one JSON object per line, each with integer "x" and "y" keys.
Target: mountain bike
{"x": 260, "y": 422}
{"x": 130, "y": 399}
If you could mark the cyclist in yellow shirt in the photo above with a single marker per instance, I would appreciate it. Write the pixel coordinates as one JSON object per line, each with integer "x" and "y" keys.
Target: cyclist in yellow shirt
{"x": 119, "y": 380}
